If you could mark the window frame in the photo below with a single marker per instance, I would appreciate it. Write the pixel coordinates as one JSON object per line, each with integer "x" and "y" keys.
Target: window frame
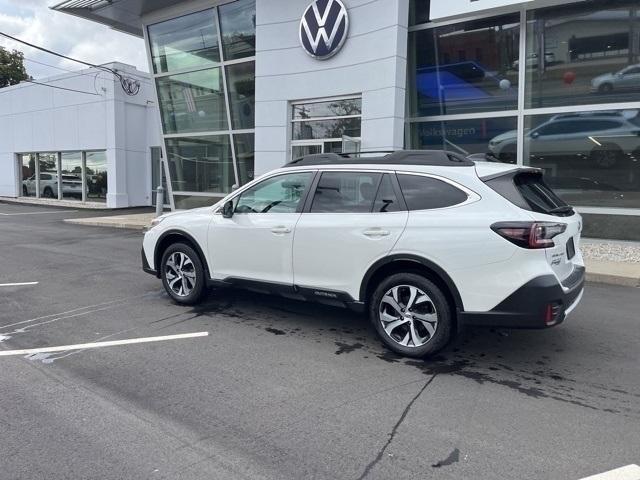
{"x": 319, "y": 141}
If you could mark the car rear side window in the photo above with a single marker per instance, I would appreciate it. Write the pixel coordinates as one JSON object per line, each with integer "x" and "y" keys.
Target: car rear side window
{"x": 427, "y": 193}
{"x": 346, "y": 192}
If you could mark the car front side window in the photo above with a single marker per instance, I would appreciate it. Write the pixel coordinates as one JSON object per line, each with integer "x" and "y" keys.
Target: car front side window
{"x": 279, "y": 194}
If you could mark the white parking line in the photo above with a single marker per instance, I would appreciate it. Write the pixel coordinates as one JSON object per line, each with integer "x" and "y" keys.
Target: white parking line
{"x": 18, "y": 284}
{"x": 84, "y": 346}
{"x": 36, "y": 213}
{"x": 630, "y": 472}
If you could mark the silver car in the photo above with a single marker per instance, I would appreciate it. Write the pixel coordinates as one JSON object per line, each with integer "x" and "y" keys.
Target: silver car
{"x": 626, "y": 79}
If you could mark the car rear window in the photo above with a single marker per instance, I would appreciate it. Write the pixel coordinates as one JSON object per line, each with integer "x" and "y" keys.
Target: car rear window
{"x": 427, "y": 193}
{"x": 529, "y": 191}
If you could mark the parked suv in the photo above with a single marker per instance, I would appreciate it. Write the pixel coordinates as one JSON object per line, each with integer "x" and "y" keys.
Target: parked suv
{"x": 423, "y": 241}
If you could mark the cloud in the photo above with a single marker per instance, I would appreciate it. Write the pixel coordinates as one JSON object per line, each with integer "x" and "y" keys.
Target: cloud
{"x": 34, "y": 22}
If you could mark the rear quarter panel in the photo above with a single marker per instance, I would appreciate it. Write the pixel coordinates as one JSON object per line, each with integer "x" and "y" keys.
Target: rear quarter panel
{"x": 485, "y": 267}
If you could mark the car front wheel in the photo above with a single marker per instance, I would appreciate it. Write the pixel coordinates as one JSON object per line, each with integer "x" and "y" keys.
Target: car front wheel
{"x": 411, "y": 315}
{"x": 183, "y": 274}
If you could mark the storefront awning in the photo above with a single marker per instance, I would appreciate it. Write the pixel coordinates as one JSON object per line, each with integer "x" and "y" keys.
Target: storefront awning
{"x": 123, "y": 15}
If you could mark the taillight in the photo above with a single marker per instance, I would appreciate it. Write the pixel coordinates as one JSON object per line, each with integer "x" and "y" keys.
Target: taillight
{"x": 531, "y": 235}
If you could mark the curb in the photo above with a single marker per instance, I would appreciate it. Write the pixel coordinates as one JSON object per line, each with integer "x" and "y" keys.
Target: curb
{"x": 126, "y": 226}
{"x": 610, "y": 279}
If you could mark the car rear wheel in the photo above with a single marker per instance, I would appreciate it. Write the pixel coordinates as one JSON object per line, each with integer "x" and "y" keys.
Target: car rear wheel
{"x": 606, "y": 156}
{"x": 47, "y": 193}
{"x": 605, "y": 88}
{"x": 411, "y": 315}
{"x": 183, "y": 274}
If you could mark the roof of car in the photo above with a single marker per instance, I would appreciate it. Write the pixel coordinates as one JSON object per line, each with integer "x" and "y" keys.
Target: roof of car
{"x": 437, "y": 158}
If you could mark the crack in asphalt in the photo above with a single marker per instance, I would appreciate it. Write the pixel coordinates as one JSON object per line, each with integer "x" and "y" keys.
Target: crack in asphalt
{"x": 392, "y": 435}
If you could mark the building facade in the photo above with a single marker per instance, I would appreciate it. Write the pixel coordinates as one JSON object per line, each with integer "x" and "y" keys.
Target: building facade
{"x": 244, "y": 86}
{"x": 79, "y": 137}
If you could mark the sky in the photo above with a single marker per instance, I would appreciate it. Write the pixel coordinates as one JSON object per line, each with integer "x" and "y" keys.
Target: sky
{"x": 34, "y": 22}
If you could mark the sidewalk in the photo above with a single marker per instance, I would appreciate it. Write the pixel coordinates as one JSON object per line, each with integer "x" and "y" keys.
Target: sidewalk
{"x": 608, "y": 261}
{"x": 137, "y": 221}
{"x": 54, "y": 202}
{"x": 612, "y": 262}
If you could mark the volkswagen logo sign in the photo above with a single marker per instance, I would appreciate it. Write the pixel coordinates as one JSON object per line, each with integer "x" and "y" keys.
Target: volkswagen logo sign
{"x": 323, "y": 28}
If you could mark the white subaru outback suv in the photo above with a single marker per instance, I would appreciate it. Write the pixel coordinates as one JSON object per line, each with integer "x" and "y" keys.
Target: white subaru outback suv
{"x": 424, "y": 241}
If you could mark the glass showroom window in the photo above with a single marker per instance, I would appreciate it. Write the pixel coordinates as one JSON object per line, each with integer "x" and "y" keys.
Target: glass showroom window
{"x": 193, "y": 102}
{"x": 28, "y": 174}
{"x": 468, "y": 67}
{"x": 590, "y": 158}
{"x": 496, "y": 137}
{"x": 48, "y": 172}
{"x": 96, "y": 176}
{"x": 583, "y": 54}
{"x": 71, "y": 168}
{"x": 187, "y": 42}
{"x": 83, "y": 175}
{"x": 326, "y": 126}
{"x": 205, "y": 75}
{"x": 201, "y": 164}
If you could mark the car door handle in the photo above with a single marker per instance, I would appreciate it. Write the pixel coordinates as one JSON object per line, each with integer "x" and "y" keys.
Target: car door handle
{"x": 281, "y": 230}
{"x": 376, "y": 232}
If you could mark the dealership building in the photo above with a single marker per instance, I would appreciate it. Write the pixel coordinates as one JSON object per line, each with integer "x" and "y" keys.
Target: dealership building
{"x": 241, "y": 87}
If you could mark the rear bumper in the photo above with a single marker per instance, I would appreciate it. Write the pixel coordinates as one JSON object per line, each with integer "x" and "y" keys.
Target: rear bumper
{"x": 541, "y": 303}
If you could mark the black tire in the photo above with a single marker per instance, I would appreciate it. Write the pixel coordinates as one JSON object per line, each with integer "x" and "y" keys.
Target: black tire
{"x": 198, "y": 290}
{"x": 47, "y": 193}
{"x": 508, "y": 156}
{"x": 25, "y": 192}
{"x": 605, "y": 88}
{"x": 438, "y": 302}
{"x": 606, "y": 157}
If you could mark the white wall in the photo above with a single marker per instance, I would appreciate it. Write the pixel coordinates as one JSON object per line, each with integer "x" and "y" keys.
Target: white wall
{"x": 36, "y": 118}
{"x": 372, "y": 62}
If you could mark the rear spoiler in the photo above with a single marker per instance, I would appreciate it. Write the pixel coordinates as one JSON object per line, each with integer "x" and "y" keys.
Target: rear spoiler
{"x": 511, "y": 172}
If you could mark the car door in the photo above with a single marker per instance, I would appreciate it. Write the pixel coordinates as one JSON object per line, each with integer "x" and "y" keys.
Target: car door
{"x": 629, "y": 79}
{"x": 256, "y": 242}
{"x": 352, "y": 219}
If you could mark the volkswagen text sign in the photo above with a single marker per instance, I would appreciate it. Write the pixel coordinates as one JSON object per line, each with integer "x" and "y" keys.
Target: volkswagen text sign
{"x": 323, "y": 28}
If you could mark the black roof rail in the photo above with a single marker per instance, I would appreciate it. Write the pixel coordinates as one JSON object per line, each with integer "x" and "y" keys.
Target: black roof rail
{"x": 436, "y": 158}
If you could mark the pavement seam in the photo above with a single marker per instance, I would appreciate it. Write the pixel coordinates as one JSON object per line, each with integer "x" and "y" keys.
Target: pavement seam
{"x": 394, "y": 430}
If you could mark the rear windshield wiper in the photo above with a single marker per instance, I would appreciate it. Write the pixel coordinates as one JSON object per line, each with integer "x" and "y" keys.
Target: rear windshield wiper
{"x": 562, "y": 209}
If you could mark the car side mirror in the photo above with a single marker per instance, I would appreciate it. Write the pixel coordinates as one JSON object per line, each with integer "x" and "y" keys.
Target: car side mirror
{"x": 227, "y": 209}
{"x": 535, "y": 134}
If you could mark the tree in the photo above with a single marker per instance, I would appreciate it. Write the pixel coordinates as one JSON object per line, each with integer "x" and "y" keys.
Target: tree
{"x": 12, "y": 70}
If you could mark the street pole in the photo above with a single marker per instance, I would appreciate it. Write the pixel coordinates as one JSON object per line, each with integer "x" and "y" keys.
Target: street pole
{"x": 159, "y": 201}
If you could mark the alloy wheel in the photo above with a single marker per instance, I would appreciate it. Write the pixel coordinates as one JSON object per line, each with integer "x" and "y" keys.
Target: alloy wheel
{"x": 408, "y": 316}
{"x": 180, "y": 273}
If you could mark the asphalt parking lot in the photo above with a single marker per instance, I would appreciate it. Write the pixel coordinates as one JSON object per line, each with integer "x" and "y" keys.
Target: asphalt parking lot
{"x": 285, "y": 390}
